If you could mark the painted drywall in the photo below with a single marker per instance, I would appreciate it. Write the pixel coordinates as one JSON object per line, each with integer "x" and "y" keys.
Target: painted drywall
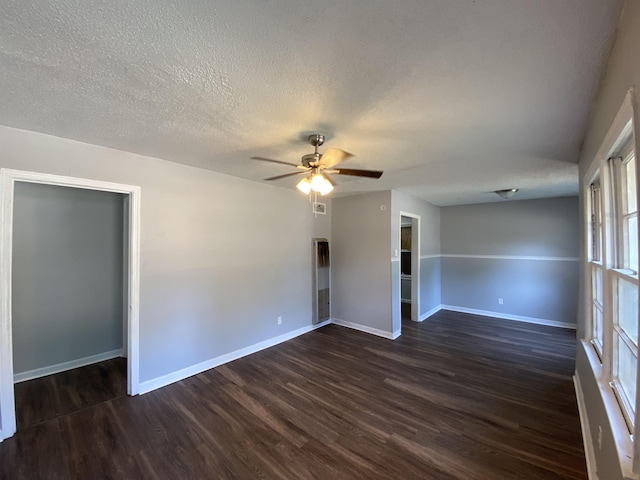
{"x": 542, "y": 290}
{"x": 482, "y": 250}
{"x": 622, "y": 73}
{"x": 360, "y": 269}
{"x": 67, "y": 286}
{"x": 429, "y": 222}
{"x": 545, "y": 227}
{"x": 430, "y": 283}
{"x": 203, "y": 236}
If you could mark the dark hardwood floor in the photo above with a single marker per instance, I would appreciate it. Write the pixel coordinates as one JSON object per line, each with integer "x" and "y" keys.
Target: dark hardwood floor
{"x": 455, "y": 397}
{"x": 65, "y": 393}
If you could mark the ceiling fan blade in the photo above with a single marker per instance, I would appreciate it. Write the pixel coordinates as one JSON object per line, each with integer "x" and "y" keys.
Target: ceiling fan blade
{"x": 263, "y": 159}
{"x": 333, "y": 156}
{"x": 277, "y": 177}
{"x": 358, "y": 173}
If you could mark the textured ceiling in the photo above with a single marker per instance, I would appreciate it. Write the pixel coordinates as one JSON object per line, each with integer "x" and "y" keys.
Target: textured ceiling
{"x": 451, "y": 98}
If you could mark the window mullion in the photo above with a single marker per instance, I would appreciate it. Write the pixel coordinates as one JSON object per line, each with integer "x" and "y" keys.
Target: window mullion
{"x": 607, "y": 205}
{"x": 615, "y": 166}
{"x": 625, "y": 338}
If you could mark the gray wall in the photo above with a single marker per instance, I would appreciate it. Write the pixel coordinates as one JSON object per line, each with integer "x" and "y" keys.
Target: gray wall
{"x": 221, "y": 257}
{"x": 67, "y": 274}
{"x": 361, "y": 270}
{"x": 623, "y": 72}
{"x": 543, "y": 287}
{"x": 430, "y": 283}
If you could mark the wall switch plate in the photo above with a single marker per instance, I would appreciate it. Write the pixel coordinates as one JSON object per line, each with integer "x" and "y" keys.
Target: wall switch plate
{"x": 279, "y": 320}
{"x": 500, "y": 301}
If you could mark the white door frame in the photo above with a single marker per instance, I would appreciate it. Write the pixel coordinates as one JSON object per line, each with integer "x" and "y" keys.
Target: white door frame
{"x": 415, "y": 265}
{"x": 8, "y": 178}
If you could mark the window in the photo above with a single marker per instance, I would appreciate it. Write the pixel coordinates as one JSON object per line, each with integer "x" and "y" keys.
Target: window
{"x": 613, "y": 272}
{"x": 595, "y": 265}
{"x": 624, "y": 279}
{"x": 611, "y": 282}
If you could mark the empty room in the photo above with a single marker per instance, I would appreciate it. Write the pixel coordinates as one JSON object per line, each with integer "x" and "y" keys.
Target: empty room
{"x": 297, "y": 240}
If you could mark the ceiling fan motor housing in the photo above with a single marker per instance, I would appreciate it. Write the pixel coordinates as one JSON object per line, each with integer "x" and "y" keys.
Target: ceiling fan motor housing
{"x": 311, "y": 157}
{"x": 317, "y": 165}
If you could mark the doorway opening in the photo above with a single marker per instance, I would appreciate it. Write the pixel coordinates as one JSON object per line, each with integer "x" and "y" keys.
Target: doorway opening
{"x": 409, "y": 266}
{"x": 129, "y": 202}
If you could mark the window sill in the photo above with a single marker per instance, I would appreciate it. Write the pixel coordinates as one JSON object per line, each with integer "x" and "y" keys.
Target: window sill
{"x": 621, "y": 436}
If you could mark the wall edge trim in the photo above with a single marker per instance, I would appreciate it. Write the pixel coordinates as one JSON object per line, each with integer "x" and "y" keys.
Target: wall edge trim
{"x": 496, "y": 257}
{"x": 507, "y": 316}
{"x": 513, "y": 257}
{"x": 366, "y": 329}
{"x": 429, "y": 313}
{"x": 587, "y": 439}
{"x": 64, "y": 366}
{"x": 164, "y": 380}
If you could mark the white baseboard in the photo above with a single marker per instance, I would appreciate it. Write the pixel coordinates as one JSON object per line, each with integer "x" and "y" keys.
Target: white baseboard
{"x": 153, "y": 384}
{"x": 366, "y": 329}
{"x": 507, "y": 316}
{"x": 589, "y": 449}
{"x": 396, "y": 334}
{"x": 433, "y": 311}
{"x": 63, "y": 367}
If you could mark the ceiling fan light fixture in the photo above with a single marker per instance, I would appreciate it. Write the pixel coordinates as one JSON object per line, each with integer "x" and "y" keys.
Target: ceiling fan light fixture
{"x": 316, "y": 164}
{"x": 507, "y": 193}
{"x": 326, "y": 188}
{"x": 304, "y": 185}
{"x": 320, "y": 184}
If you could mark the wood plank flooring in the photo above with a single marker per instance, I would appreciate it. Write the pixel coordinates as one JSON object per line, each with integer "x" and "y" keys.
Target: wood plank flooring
{"x": 455, "y": 397}
{"x": 50, "y": 397}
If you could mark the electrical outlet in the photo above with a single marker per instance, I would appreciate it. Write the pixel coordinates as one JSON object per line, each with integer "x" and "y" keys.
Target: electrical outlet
{"x": 279, "y": 320}
{"x": 500, "y": 301}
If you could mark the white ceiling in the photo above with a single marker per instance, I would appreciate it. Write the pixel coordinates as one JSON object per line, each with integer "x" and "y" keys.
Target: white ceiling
{"x": 451, "y": 98}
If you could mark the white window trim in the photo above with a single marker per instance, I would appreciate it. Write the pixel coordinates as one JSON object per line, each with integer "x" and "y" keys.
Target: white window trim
{"x": 594, "y": 243}
{"x": 617, "y": 270}
{"x": 622, "y": 127}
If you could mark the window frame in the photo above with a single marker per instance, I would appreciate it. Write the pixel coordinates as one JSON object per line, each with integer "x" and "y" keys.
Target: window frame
{"x": 620, "y": 137}
{"x": 594, "y": 262}
{"x": 618, "y": 270}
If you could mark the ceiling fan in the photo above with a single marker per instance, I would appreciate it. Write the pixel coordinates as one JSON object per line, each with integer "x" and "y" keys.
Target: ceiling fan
{"x": 316, "y": 166}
